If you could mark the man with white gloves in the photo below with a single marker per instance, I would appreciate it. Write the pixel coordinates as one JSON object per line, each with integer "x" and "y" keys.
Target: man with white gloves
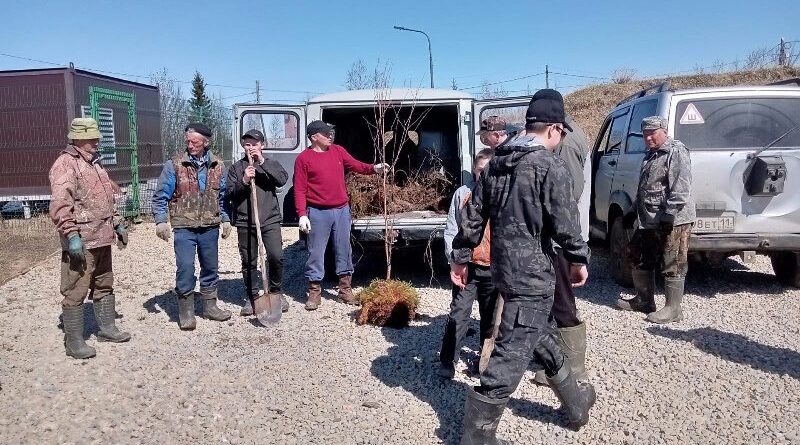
{"x": 321, "y": 201}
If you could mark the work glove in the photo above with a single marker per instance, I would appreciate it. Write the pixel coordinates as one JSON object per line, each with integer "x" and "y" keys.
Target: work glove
{"x": 667, "y": 221}
{"x": 163, "y": 231}
{"x": 226, "y": 229}
{"x": 122, "y": 236}
{"x": 75, "y": 248}
{"x": 304, "y": 224}
{"x": 379, "y": 168}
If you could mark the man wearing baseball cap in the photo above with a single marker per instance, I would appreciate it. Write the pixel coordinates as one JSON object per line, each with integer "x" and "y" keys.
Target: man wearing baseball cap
{"x": 321, "y": 201}
{"x": 191, "y": 191}
{"x": 86, "y": 218}
{"x": 666, "y": 213}
{"x": 266, "y": 175}
{"x": 526, "y": 195}
{"x": 493, "y": 131}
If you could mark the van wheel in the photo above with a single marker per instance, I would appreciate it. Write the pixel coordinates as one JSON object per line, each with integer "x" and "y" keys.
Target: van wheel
{"x": 787, "y": 267}
{"x": 620, "y": 267}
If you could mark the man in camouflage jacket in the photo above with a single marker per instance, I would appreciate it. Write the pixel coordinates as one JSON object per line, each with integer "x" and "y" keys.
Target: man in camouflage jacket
{"x": 666, "y": 213}
{"x": 83, "y": 210}
{"x": 526, "y": 195}
{"x": 191, "y": 189}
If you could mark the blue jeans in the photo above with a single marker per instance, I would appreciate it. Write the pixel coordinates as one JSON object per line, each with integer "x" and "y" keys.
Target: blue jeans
{"x": 327, "y": 223}
{"x": 203, "y": 241}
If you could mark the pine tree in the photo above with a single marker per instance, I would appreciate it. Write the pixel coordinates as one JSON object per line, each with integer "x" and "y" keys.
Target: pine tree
{"x": 199, "y": 104}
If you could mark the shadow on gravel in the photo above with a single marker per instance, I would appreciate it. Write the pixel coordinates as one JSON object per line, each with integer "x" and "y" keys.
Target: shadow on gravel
{"x": 536, "y": 411}
{"x": 412, "y": 364}
{"x": 737, "y": 348}
{"x": 729, "y": 278}
{"x": 166, "y": 302}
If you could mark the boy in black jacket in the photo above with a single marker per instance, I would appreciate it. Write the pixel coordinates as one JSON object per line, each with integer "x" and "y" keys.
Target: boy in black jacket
{"x": 267, "y": 175}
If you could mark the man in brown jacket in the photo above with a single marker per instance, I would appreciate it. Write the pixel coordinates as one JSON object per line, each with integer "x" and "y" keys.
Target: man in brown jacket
{"x": 82, "y": 208}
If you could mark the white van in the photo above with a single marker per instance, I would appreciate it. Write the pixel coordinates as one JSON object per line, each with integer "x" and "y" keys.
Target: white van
{"x": 447, "y": 129}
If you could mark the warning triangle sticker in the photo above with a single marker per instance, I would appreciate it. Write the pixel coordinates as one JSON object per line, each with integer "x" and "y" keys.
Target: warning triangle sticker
{"x": 691, "y": 116}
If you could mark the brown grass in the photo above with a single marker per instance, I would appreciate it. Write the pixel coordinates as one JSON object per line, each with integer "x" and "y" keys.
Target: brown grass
{"x": 426, "y": 191}
{"x": 590, "y": 105}
{"x": 390, "y": 303}
{"x": 25, "y": 243}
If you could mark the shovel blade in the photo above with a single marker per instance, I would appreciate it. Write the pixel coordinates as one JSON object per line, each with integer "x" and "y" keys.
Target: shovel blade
{"x": 264, "y": 308}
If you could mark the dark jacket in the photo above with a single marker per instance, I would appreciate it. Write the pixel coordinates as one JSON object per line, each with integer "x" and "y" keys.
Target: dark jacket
{"x": 526, "y": 192}
{"x": 269, "y": 176}
{"x": 665, "y": 186}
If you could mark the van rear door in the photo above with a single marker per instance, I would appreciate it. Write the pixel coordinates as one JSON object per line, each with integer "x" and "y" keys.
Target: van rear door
{"x": 284, "y": 128}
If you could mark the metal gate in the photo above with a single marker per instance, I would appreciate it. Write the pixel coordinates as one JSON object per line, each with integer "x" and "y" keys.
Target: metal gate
{"x": 118, "y": 155}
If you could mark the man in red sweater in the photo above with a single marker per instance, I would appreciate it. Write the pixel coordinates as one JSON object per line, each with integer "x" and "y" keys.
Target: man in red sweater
{"x": 320, "y": 198}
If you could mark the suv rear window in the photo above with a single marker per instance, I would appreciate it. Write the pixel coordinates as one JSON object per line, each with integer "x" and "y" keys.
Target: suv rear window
{"x": 737, "y": 122}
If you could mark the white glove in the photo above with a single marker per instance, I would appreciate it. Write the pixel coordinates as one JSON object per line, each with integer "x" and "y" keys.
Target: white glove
{"x": 163, "y": 231}
{"x": 304, "y": 224}
{"x": 226, "y": 229}
{"x": 379, "y": 168}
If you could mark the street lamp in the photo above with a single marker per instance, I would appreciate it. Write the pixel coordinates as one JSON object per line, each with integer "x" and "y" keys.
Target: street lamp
{"x": 430, "y": 54}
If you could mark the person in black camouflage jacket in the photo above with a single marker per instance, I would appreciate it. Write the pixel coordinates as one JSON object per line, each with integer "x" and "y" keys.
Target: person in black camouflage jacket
{"x": 666, "y": 214}
{"x": 526, "y": 193}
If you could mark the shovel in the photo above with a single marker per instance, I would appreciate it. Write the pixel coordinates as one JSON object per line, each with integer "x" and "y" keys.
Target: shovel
{"x": 488, "y": 344}
{"x": 267, "y": 307}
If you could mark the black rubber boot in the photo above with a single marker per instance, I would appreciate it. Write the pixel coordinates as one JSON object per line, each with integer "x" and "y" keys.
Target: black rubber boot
{"x": 673, "y": 292}
{"x": 105, "y": 314}
{"x": 210, "y": 309}
{"x": 186, "y": 320}
{"x": 575, "y": 398}
{"x": 481, "y": 418}
{"x": 644, "y": 282}
{"x": 247, "y": 309}
{"x": 75, "y": 345}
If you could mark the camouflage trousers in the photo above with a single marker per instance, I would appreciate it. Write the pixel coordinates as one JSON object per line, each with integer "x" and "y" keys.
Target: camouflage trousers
{"x": 663, "y": 249}
{"x": 95, "y": 277}
{"x": 526, "y": 341}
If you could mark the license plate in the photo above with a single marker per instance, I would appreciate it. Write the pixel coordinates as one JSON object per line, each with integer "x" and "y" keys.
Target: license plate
{"x": 708, "y": 224}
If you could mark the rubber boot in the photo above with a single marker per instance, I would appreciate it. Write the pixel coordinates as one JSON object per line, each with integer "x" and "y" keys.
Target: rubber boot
{"x": 346, "y": 291}
{"x": 644, "y": 282}
{"x": 186, "y": 320}
{"x": 481, "y": 418}
{"x": 572, "y": 342}
{"x": 284, "y": 302}
{"x": 75, "y": 345}
{"x": 673, "y": 292}
{"x": 575, "y": 398}
{"x": 314, "y": 295}
{"x": 210, "y": 309}
{"x": 247, "y": 309}
{"x": 105, "y": 313}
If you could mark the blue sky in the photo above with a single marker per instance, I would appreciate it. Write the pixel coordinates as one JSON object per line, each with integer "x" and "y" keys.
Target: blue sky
{"x": 306, "y": 47}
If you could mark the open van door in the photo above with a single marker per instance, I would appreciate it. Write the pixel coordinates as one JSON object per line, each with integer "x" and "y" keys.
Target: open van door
{"x": 284, "y": 128}
{"x": 511, "y": 108}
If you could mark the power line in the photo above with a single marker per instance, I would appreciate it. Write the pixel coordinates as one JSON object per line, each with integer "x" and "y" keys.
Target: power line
{"x": 137, "y": 76}
{"x": 503, "y": 81}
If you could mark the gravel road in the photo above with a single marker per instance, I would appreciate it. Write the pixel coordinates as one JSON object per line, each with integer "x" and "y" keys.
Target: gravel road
{"x": 728, "y": 374}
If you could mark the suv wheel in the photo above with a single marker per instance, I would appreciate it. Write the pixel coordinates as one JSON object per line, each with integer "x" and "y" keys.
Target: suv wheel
{"x": 787, "y": 267}
{"x": 620, "y": 267}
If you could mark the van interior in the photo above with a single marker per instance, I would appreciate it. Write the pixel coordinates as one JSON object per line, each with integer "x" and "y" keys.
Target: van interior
{"x": 436, "y": 146}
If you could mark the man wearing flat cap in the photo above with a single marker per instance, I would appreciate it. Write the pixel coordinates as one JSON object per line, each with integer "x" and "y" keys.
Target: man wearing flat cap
{"x": 666, "y": 212}
{"x": 191, "y": 194}
{"x": 321, "y": 202}
{"x": 525, "y": 194}
{"x": 83, "y": 210}
{"x": 266, "y": 175}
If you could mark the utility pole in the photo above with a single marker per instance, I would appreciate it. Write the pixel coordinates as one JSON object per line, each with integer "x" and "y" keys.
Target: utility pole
{"x": 782, "y": 54}
{"x": 546, "y": 76}
{"x": 258, "y": 93}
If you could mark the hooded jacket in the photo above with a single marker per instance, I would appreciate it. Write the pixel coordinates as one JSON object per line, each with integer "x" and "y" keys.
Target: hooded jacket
{"x": 526, "y": 192}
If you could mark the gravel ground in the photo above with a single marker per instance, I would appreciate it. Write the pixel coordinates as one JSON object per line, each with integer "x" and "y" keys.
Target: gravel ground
{"x": 728, "y": 374}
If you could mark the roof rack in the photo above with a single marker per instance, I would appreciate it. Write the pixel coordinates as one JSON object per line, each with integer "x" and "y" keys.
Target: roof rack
{"x": 795, "y": 81}
{"x": 652, "y": 89}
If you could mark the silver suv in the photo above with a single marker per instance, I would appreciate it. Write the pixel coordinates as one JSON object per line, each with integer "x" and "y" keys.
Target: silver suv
{"x": 745, "y": 149}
